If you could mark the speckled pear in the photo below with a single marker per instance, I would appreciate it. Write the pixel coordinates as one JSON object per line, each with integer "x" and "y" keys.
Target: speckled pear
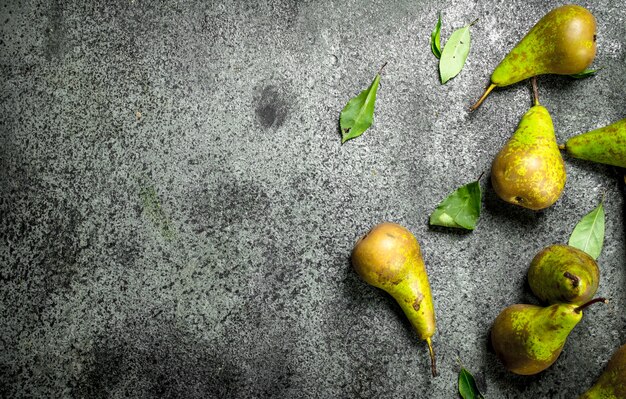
{"x": 604, "y": 145}
{"x": 529, "y": 170}
{"x": 389, "y": 257}
{"x": 528, "y": 338}
{"x": 612, "y": 382}
{"x": 561, "y": 273}
{"x": 563, "y": 42}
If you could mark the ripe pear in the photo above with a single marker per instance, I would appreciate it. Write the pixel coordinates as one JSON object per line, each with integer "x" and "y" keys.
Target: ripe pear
{"x": 563, "y": 42}
{"x": 605, "y": 145}
{"x": 389, "y": 257}
{"x": 528, "y": 338}
{"x": 560, "y": 273}
{"x": 529, "y": 170}
{"x": 612, "y": 382}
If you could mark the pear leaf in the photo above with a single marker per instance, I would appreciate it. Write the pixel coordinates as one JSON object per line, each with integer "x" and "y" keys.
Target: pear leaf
{"x": 461, "y": 209}
{"x": 467, "y": 386}
{"x": 454, "y": 53}
{"x": 358, "y": 114}
{"x": 435, "y": 39}
{"x": 588, "y": 235}
{"x": 586, "y": 73}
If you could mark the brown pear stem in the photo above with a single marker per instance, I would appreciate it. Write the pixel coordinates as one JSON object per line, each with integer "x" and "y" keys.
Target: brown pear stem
{"x": 591, "y": 302}
{"x": 381, "y": 68}
{"x": 575, "y": 279}
{"x": 535, "y": 90}
{"x": 433, "y": 364}
{"x": 482, "y": 98}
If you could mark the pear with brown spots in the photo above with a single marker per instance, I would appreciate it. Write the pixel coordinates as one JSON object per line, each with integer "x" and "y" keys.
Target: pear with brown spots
{"x": 529, "y": 338}
{"x": 605, "y": 145}
{"x": 529, "y": 170}
{"x": 612, "y": 382}
{"x": 563, "y": 42}
{"x": 389, "y": 257}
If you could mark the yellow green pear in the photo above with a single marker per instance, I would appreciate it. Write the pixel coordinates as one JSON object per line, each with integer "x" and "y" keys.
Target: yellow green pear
{"x": 563, "y": 42}
{"x": 528, "y": 338}
{"x": 561, "y": 273}
{"x": 612, "y": 382}
{"x": 604, "y": 145}
{"x": 389, "y": 257}
{"x": 529, "y": 170}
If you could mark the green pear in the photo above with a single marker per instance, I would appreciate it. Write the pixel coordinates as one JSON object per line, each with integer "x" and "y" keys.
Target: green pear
{"x": 612, "y": 382}
{"x": 605, "y": 145}
{"x": 563, "y": 42}
{"x": 389, "y": 257}
{"x": 529, "y": 170}
{"x": 560, "y": 273}
{"x": 528, "y": 338}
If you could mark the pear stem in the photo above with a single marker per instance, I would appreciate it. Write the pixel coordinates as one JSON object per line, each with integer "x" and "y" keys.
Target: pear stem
{"x": 591, "y": 302}
{"x": 482, "y": 98}
{"x": 433, "y": 364}
{"x": 381, "y": 68}
{"x": 535, "y": 90}
{"x": 575, "y": 279}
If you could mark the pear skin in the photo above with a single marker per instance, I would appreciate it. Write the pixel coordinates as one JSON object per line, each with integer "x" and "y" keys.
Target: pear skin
{"x": 563, "y": 42}
{"x": 612, "y": 381}
{"x": 604, "y": 145}
{"x": 560, "y": 273}
{"x": 529, "y": 170}
{"x": 528, "y": 338}
{"x": 389, "y": 257}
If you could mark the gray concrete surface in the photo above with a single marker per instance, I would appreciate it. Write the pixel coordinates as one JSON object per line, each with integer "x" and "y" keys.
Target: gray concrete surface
{"x": 177, "y": 212}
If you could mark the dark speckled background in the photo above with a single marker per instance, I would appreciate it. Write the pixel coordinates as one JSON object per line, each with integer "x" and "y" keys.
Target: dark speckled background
{"x": 177, "y": 212}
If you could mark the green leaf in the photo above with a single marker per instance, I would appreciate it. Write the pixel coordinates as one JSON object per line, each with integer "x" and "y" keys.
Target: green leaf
{"x": 467, "y": 386}
{"x": 455, "y": 53}
{"x": 461, "y": 209}
{"x": 586, "y": 73}
{"x": 588, "y": 235}
{"x": 358, "y": 114}
{"x": 435, "y": 39}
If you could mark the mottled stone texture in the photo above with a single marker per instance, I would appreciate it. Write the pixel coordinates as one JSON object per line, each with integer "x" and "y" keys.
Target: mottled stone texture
{"x": 177, "y": 212}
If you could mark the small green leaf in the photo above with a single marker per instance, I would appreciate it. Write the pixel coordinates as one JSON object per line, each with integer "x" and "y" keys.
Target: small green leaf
{"x": 435, "y": 39}
{"x": 455, "y": 53}
{"x": 358, "y": 114}
{"x": 467, "y": 386}
{"x": 588, "y": 235}
{"x": 586, "y": 73}
{"x": 461, "y": 209}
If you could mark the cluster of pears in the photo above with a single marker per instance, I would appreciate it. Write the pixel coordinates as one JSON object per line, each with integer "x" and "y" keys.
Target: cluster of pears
{"x": 529, "y": 338}
{"x": 389, "y": 257}
{"x": 529, "y": 170}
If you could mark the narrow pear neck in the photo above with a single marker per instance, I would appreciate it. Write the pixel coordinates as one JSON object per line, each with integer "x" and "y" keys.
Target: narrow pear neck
{"x": 563, "y": 316}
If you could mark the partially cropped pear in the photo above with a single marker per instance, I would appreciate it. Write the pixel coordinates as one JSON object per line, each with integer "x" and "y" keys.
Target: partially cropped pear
{"x": 529, "y": 170}
{"x": 389, "y": 257}
{"x": 563, "y": 42}
{"x": 605, "y": 145}
{"x": 528, "y": 338}
{"x": 612, "y": 382}
{"x": 560, "y": 273}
